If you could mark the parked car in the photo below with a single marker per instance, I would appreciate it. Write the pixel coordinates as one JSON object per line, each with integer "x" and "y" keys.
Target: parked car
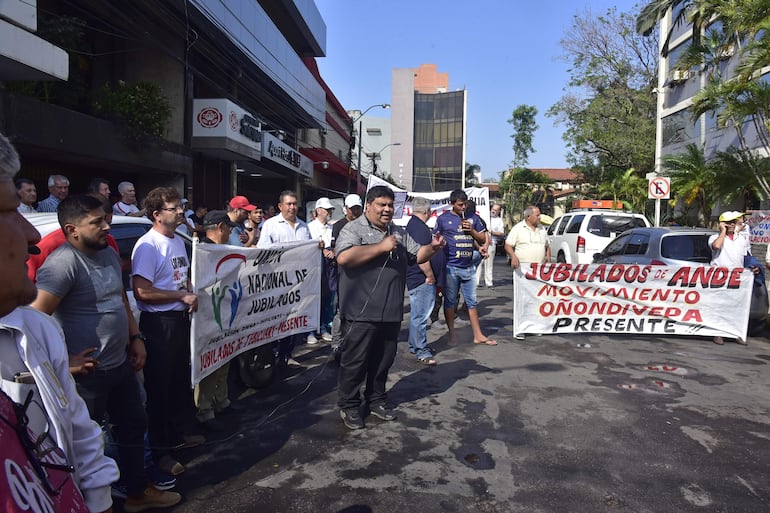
{"x": 577, "y": 235}
{"x": 674, "y": 246}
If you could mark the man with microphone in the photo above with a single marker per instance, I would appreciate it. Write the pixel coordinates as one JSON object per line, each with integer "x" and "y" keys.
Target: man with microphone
{"x": 372, "y": 255}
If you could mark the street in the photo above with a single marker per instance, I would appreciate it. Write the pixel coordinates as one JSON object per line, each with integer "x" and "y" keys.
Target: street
{"x": 546, "y": 424}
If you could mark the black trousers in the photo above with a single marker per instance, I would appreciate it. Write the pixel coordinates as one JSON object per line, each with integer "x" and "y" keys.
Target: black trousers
{"x": 170, "y": 407}
{"x": 115, "y": 392}
{"x": 370, "y": 349}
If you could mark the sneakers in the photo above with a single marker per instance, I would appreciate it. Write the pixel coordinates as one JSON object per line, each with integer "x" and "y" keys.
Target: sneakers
{"x": 291, "y": 362}
{"x": 326, "y": 337}
{"x": 170, "y": 466}
{"x": 160, "y": 479}
{"x": 382, "y": 412}
{"x": 311, "y": 340}
{"x": 151, "y": 498}
{"x": 352, "y": 418}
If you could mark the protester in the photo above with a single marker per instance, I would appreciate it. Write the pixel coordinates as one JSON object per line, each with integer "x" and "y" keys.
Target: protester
{"x": 321, "y": 230}
{"x": 239, "y": 208}
{"x": 528, "y": 241}
{"x": 421, "y": 282}
{"x": 211, "y": 394}
{"x": 100, "y": 186}
{"x": 728, "y": 248}
{"x": 32, "y": 342}
{"x": 81, "y": 285}
{"x": 127, "y": 205}
{"x": 460, "y": 234}
{"x": 373, "y": 255}
{"x": 252, "y": 226}
{"x": 196, "y": 219}
{"x": 281, "y": 228}
{"x": 59, "y": 188}
{"x": 27, "y": 192}
{"x": 161, "y": 272}
{"x": 353, "y": 210}
{"x": 496, "y": 234}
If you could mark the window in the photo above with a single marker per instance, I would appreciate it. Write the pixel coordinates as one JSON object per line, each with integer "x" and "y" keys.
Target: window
{"x": 689, "y": 247}
{"x": 574, "y": 226}
{"x": 564, "y": 224}
{"x": 608, "y": 225}
{"x": 552, "y": 228}
{"x": 616, "y": 247}
{"x": 637, "y": 243}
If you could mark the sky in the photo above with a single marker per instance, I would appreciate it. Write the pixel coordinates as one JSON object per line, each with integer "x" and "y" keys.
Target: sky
{"x": 503, "y": 52}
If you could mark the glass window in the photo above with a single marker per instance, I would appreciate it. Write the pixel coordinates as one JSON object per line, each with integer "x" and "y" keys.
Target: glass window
{"x": 616, "y": 247}
{"x": 574, "y": 226}
{"x": 553, "y": 226}
{"x": 637, "y": 243}
{"x": 688, "y": 247}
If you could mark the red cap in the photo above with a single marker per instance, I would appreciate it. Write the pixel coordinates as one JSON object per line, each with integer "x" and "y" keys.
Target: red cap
{"x": 241, "y": 202}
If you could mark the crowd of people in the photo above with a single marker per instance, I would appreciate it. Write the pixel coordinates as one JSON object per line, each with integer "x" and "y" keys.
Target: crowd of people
{"x": 84, "y": 349}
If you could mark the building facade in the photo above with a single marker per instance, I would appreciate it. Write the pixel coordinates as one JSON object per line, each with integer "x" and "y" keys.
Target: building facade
{"x": 429, "y": 121}
{"x": 235, "y": 76}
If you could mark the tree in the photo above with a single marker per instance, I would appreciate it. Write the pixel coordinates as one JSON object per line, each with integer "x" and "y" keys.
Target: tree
{"x": 524, "y": 127}
{"x": 609, "y": 109}
{"x": 521, "y": 187}
{"x": 472, "y": 175}
{"x": 693, "y": 181}
{"x": 628, "y": 188}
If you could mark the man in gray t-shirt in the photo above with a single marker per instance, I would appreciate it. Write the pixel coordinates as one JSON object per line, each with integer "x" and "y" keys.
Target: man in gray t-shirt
{"x": 80, "y": 283}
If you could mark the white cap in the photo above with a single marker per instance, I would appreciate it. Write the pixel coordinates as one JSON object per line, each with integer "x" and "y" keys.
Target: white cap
{"x": 353, "y": 200}
{"x": 324, "y": 203}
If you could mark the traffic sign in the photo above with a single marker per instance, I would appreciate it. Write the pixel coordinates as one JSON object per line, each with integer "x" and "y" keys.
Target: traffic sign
{"x": 659, "y": 188}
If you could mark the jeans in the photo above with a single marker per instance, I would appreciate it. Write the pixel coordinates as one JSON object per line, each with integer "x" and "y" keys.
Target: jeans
{"x": 421, "y": 300}
{"x": 460, "y": 279}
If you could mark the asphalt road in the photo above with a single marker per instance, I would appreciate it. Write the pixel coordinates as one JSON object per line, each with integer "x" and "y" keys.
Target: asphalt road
{"x": 629, "y": 424}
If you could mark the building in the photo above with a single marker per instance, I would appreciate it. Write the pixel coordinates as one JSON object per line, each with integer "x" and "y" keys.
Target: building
{"x": 429, "y": 122}
{"x": 236, "y": 81}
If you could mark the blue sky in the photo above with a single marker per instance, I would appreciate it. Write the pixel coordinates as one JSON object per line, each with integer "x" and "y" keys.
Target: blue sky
{"x": 504, "y": 52}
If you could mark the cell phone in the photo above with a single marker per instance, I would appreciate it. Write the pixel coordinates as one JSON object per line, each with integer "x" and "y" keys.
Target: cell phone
{"x": 24, "y": 377}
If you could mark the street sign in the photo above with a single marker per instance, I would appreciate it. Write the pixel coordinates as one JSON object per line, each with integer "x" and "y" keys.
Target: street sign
{"x": 659, "y": 188}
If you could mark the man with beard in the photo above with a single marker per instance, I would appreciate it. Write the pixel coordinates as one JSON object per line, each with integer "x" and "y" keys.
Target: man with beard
{"x": 80, "y": 284}
{"x": 373, "y": 255}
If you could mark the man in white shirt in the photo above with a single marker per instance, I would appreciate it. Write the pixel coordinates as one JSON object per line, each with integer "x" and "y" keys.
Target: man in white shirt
{"x": 127, "y": 204}
{"x": 281, "y": 228}
{"x": 321, "y": 230}
{"x": 27, "y": 192}
{"x": 528, "y": 241}
{"x": 496, "y": 232}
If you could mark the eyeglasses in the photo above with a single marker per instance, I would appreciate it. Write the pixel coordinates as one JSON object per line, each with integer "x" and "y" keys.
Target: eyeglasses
{"x": 43, "y": 453}
{"x": 173, "y": 209}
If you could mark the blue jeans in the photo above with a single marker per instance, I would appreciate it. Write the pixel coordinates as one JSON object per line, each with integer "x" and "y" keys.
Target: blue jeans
{"x": 462, "y": 279}
{"x": 421, "y": 300}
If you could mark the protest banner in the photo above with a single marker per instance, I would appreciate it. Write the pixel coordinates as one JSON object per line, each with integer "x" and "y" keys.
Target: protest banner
{"x": 248, "y": 297}
{"x": 439, "y": 201}
{"x": 759, "y": 224}
{"x": 640, "y": 299}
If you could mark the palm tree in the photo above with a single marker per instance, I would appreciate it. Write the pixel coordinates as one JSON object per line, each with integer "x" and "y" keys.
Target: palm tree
{"x": 738, "y": 176}
{"x": 693, "y": 180}
{"x": 629, "y": 188}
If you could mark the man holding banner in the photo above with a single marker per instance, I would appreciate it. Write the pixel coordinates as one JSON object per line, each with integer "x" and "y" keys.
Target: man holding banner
{"x": 373, "y": 254}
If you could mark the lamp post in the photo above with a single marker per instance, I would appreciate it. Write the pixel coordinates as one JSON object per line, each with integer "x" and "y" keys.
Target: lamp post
{"x": 376, "y": 154}
{"x": 360, "y": 128}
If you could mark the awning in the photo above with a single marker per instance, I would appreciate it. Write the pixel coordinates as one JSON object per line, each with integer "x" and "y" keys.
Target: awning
{"x": 336, "y": 165}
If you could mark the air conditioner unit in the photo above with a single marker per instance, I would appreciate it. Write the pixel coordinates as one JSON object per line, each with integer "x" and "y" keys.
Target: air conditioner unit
{"x": 680, "y": 75}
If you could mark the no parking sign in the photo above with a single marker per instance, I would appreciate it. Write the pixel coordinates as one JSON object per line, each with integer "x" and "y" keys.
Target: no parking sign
{"x": 659, "y": 188}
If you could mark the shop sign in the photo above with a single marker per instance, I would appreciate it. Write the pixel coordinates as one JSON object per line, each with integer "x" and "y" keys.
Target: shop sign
{"x": 220, "y": 123}
{"x": 278, "y": 151}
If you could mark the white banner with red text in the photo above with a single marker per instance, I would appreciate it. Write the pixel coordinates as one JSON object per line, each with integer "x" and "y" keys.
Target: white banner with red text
{"x": 248, "y": 297}
{"x": 615, "y": 298}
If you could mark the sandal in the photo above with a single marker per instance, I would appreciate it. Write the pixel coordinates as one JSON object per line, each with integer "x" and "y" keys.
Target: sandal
{"x": 427, "y": 360}
{"x": 486, "y": 342}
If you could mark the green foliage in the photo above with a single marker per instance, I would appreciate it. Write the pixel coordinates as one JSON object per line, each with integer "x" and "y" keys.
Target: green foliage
{"x": 472, "y": 171}
{"x": 628, "y": 188}
{"x": 521, "y": 187}
{"x": 609, "y": 109}
{"x": 524, "y": 127}
{"x": 141, "y": 106}
{"x": 693, "y": 181}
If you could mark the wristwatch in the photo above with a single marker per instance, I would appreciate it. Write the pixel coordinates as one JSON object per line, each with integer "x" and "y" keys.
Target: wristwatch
{"x": 136, "y": 335}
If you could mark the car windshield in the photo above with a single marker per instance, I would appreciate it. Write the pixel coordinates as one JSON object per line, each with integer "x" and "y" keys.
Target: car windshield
{"x": 691, "y": 247}
{"x": 608, "y": 225}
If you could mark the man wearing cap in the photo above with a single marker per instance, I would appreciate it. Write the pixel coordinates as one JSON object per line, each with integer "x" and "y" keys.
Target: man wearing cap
{"x": 321, "y": 230}
{"x": 353, "y": 210}
{"x": 281, "y": 228}
{"x": 728, "y": 249}
{"x": 239, "y": 212}
{"x": 211, "y": 394}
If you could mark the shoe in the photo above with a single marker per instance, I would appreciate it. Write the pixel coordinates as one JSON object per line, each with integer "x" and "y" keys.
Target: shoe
{"x": 427, "y": 360}
{"x": 326, "y": 337}
{"x": 311, "y": 340}
{"x": 151, "y": 498}
{"x": 291, "y": 362}
{"x": 352, "y": 418}
{"x": 741, "y": 341}
{"x": 213, "y": 425}
{"x": 160, "y": 479}
{"x": 382, "y": 412}
{"x": 170, "y": 466}
{"x": 119, "y": 491}
{"x": 719, "y": 341}
{"x": 519, "y": 337}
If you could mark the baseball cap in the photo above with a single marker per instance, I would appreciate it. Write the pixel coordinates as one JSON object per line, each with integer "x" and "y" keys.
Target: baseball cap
{"x": 214, "y": 217}
{"x": 730, "y": 215}
{"x": 241, "y": 202}
{"x": 324, "y": 203}
{"x": 353, "y": 200}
